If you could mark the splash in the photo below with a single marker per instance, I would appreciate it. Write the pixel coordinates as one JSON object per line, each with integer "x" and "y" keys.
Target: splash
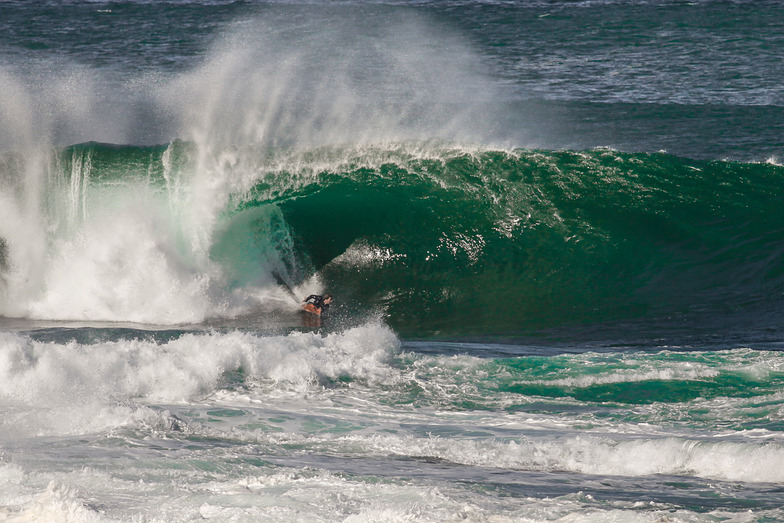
{"x": 142, "y": 246}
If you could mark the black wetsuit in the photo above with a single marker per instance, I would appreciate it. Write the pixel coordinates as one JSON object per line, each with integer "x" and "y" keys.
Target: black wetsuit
{"x": 318, "y": 302}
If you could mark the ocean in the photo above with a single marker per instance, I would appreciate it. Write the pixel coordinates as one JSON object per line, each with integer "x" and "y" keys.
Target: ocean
{"x": 553, "y": 229}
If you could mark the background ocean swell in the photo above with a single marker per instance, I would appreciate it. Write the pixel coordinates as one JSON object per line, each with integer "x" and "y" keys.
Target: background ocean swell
{"x": 443, "y": 238}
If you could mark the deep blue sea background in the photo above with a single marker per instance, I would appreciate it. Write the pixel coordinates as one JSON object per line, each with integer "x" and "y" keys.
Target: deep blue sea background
{"x": 697, "y": 79}
{"x": 553, "y": 229}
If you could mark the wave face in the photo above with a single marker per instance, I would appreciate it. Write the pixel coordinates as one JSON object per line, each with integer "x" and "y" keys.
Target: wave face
{"x": 476, "y": 240}
{"x": 442, "y": 238}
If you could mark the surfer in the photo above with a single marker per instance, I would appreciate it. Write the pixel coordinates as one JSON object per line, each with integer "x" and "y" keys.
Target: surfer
{"x": 316, "y": 303}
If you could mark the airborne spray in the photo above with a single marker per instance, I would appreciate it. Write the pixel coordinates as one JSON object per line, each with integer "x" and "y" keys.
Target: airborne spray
{"x": 149, "y": 234}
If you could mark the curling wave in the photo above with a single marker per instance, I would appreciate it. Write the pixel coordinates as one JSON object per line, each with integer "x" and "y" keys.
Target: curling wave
{"x": 443, "y": 238}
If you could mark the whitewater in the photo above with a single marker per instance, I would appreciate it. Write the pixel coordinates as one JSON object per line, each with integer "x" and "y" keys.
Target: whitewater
{"x": 554, "y": 233}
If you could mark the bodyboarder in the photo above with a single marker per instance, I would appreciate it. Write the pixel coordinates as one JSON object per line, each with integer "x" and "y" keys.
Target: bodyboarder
{"x": 316, "y": 303}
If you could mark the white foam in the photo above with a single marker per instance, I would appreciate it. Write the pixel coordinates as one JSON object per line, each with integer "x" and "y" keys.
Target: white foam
{"x": 294, "y": 495}
{"x": 123, "y": 266}
{"x": 619, "y": 368}
{"x": 670, "y": 371}
{"x": 361, "y": 254}
{"x": 59, "y": 503}
{"x": 725, "y": 460}
{"x": 128, "y": 252}
{"x": 50, "y": 388}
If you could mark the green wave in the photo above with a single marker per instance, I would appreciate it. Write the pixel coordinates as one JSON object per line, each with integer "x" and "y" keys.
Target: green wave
{"x": 455, "y": 240}
{"x": 484, "y": 241}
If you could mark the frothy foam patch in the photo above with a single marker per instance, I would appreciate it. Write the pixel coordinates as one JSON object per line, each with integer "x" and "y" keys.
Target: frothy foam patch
{"x": 71, "y": 388}
{"x": 11, "y": 478}
{"x": 665, "y": 366}
{"x": 725, "y": 460}
{"x": 58, "y": 503}
{"x": 123, "y": 266}
{"x": 749, "y": 461}
{"x": 297, "y": 494}
{"x": 289, "y": 495}
{"x": 589, "y": 369}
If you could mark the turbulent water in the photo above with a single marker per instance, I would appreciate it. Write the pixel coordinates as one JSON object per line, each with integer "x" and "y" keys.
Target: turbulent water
{"x": 553, "y": 230}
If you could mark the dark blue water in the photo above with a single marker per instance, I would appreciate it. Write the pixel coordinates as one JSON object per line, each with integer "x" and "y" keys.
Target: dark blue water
{"x": 698, "y": 79}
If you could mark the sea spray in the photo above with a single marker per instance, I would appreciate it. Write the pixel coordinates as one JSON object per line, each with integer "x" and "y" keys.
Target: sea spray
{"x": 88, "y": 225}
{"x": 328, "y": 79}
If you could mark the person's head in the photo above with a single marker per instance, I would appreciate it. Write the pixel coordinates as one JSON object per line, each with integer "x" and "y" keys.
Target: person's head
{"x": 327, "y": 298}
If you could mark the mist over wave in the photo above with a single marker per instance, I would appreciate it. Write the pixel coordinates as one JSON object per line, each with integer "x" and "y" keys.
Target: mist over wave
{"x": 281, "y": 78}
{"x": 77, "y": 247}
